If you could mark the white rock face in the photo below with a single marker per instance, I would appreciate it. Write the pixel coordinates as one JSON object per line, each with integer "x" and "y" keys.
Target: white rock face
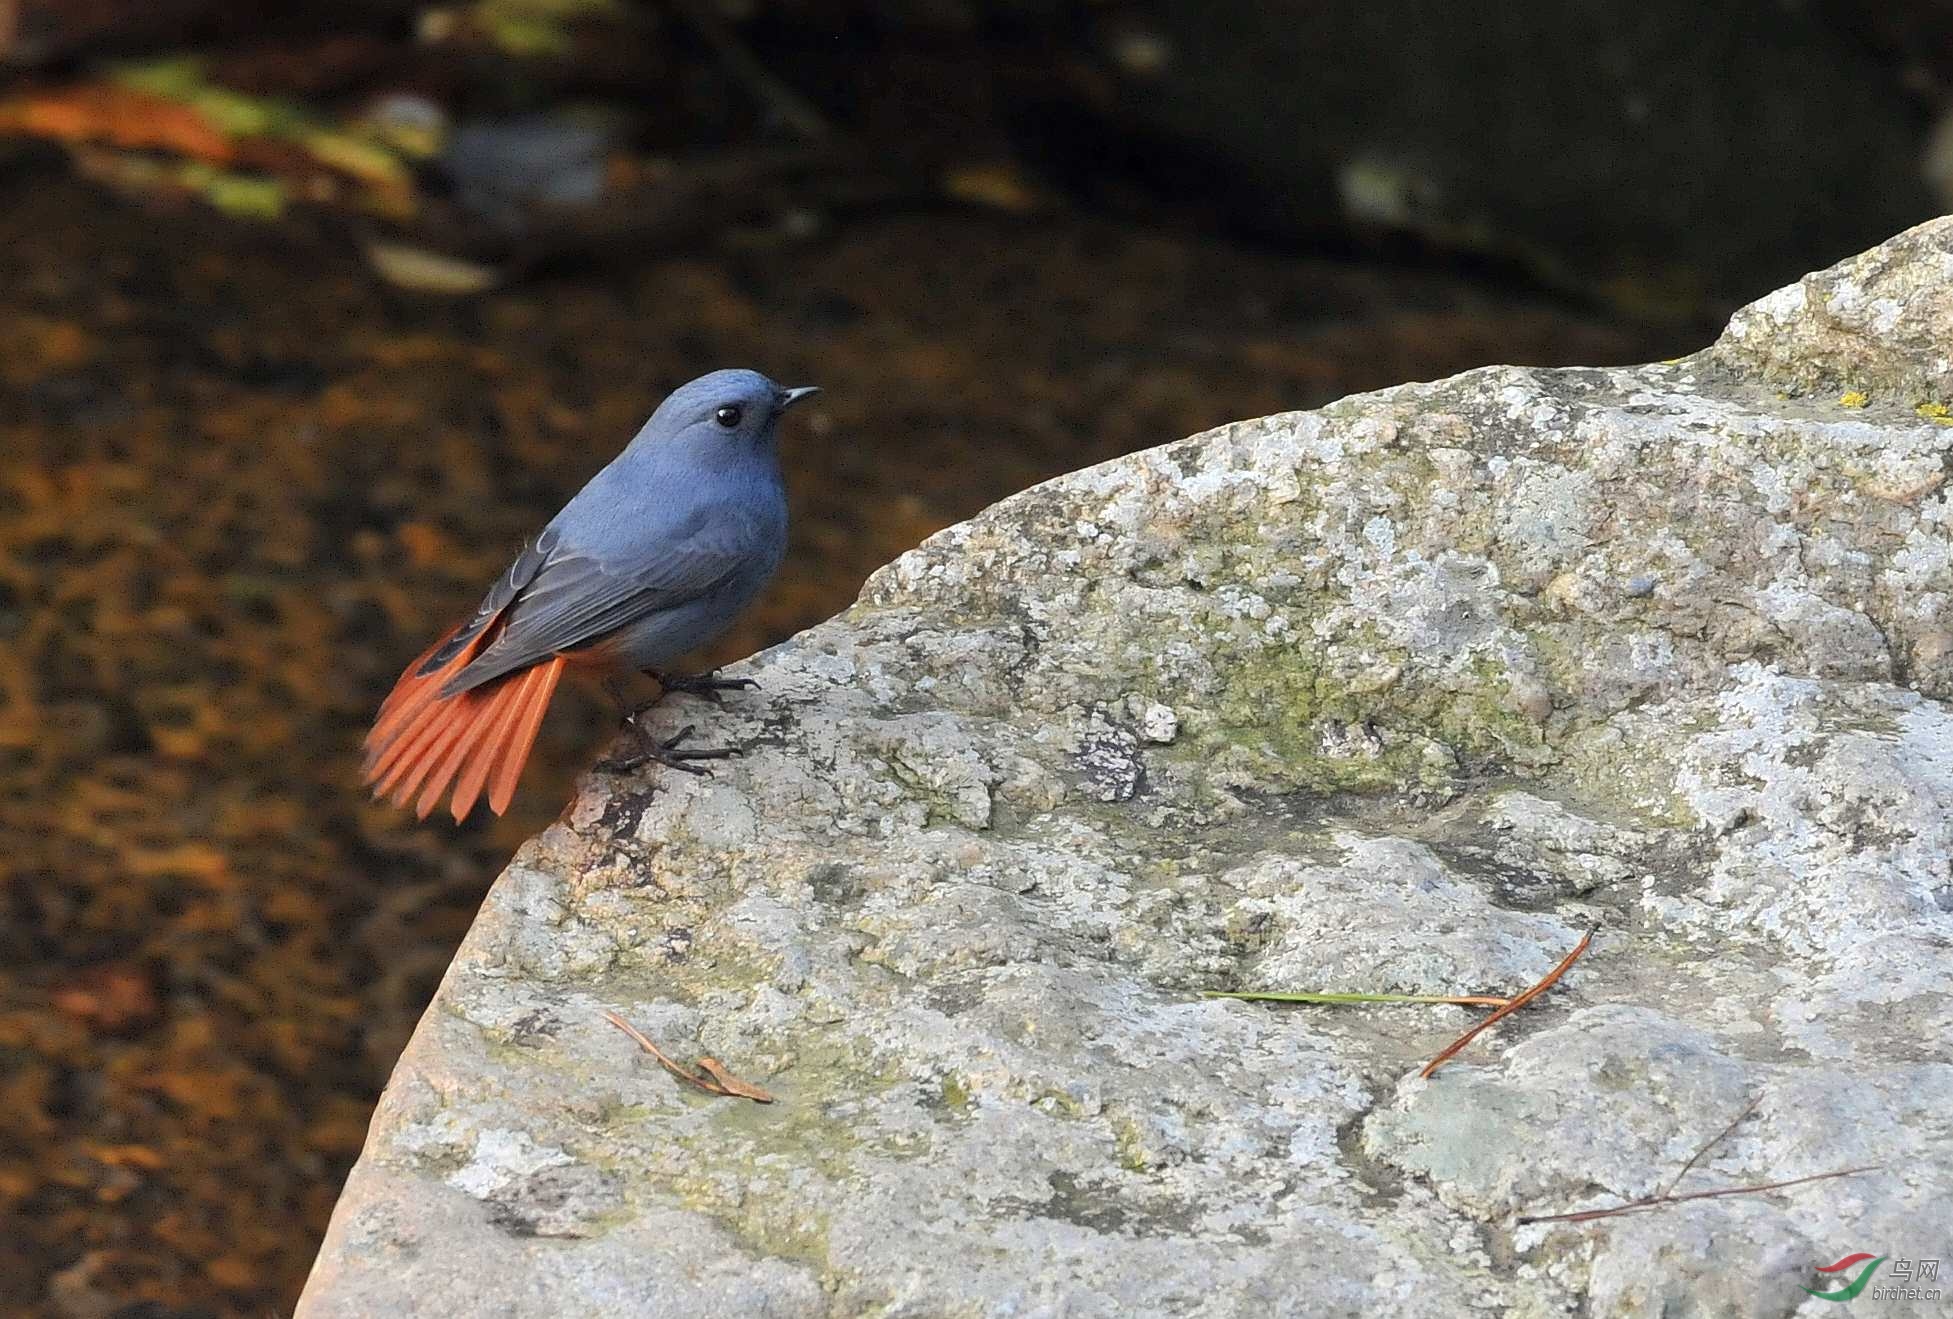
{"x": 1400, "y": 695}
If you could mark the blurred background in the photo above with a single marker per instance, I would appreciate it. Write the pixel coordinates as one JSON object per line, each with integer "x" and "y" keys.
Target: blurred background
{"x": 310, "y": 312}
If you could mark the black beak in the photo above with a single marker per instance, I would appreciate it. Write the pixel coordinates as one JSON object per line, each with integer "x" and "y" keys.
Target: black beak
{"x": 789, "y": 397}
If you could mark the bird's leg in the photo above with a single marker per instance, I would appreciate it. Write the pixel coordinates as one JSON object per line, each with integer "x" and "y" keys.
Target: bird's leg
{"x": 708, "y": 685}
{"x": 627, "y": 709}
{"x": 668, "y": 752}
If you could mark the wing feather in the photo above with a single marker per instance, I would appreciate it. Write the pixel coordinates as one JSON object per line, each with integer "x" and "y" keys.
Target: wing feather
{"x": 504, "y": 593}
{"x": 577, "y": 598}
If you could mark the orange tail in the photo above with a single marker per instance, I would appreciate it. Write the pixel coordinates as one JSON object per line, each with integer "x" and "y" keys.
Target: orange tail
{"x": 426, "y": 743}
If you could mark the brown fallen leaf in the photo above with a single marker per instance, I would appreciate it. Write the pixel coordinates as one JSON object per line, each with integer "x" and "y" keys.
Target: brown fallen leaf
{"x": 731, "y": 1084}
{"x": 1552, "y": 977}
{"x": 711, "y": 1076}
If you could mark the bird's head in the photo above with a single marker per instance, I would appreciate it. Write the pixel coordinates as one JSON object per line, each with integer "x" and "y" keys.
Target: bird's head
{"x": 724, "y": 407}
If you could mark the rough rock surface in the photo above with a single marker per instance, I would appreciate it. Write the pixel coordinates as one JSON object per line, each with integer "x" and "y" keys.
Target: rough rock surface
{"x": 1403, "y": 694}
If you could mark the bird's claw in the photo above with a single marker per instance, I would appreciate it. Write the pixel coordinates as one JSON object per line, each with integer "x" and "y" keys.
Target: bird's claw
{"x": 708, "y": 685}
{"x": 704, "y": 685}
{"x": 670, "y": 754}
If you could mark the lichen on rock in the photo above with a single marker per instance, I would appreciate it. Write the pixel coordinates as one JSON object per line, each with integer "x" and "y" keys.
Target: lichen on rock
{"x": 1880, "y": 324}
{"x": 1399, "y": 695}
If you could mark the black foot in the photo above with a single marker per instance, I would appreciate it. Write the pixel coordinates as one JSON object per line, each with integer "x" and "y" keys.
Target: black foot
{"x": 705, "y": 684}
{"x": 671, "y": 754}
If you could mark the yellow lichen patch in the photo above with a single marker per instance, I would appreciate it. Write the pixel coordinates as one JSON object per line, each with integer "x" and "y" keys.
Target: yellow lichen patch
{"x": 1937, "y": 413}
{"x": 1854, "y": 398}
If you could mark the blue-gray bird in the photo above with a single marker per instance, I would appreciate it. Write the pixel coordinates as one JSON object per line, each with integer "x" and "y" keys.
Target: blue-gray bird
{"x": 657, "y": 555}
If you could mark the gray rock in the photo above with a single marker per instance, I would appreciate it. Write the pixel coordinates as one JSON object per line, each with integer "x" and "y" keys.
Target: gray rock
{"x": 1400, "y": 695}
{"x": 1880, "y": 324}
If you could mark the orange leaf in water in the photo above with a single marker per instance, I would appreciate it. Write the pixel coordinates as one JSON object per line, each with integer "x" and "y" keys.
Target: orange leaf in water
{"x": 120, "y": 117}
{"x": 110, "y": 998}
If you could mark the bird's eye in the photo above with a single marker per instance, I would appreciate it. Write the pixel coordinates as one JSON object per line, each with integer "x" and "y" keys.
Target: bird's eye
{"x": 728, "y": 416}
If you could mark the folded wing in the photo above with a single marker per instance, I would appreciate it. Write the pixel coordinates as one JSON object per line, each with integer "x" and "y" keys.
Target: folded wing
{"x": 579, "y": 597}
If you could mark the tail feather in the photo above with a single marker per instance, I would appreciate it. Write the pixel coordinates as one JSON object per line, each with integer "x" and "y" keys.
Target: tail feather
{"x": 424, "y": 743}
{"x": 410, "y": 696}
{"x": 523, "y": 735}
{"x": 496, "y": 721}
{"x": 388, "y": 763}
{"x": 469, "y": 727}
{"x": 443, "y": 727}
{"x": 402, "y": 758}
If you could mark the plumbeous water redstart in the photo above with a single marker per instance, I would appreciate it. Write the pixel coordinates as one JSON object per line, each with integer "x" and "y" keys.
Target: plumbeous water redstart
{"x": 658, "y": 554}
